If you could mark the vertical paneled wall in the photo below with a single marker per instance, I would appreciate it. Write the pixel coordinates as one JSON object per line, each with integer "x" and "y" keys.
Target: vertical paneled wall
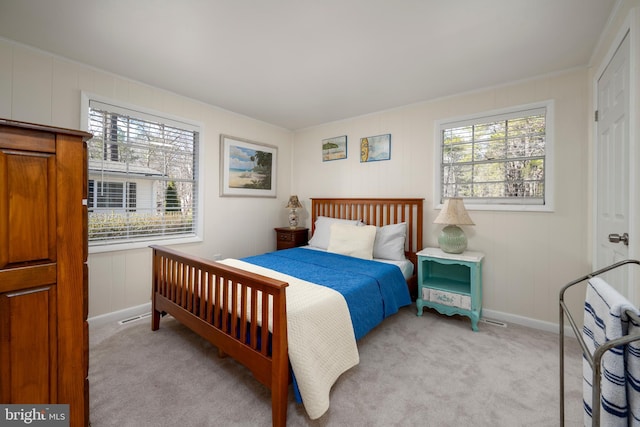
{"x": 529, "y": 255}
{"x": 38, "y": 87}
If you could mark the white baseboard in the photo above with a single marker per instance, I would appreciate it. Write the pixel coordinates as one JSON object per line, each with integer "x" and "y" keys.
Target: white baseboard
{"x": 507, "y": 318}
{"x": 527, "y": 321}
{"x": 116, "y": 316}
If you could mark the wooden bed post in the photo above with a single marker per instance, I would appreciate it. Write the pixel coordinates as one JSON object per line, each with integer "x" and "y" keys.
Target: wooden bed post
{"x": 155, "y": 276}
{"x": 280, "y": 367}
{"x": 199, "y": 293}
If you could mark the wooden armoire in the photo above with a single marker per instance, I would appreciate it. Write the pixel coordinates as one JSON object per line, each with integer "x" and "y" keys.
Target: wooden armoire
{"x": 44, "y": 336}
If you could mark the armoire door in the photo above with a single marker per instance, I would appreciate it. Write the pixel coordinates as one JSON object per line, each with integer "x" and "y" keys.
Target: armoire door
{"x": 28, "y": 335}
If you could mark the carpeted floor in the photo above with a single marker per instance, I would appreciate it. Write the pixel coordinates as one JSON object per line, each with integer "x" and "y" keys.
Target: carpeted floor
{"x": 429, "y": 371}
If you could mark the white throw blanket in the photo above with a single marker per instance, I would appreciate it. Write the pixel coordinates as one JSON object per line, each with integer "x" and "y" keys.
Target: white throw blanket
{"x": 605, "y": 320}
{"x": 321, "y": 340}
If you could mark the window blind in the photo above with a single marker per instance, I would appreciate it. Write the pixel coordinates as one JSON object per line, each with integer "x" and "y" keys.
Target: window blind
{"x": 495, "y": 159}
{"x": 142, "y": 172}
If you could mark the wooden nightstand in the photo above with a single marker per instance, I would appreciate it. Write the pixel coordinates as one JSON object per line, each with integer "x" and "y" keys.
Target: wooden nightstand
{"x": 287, "y": 238}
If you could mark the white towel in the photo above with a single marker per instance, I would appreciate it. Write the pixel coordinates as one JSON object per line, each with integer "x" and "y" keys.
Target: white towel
{"x": 633, "y": 376}
{"x": 605, "y": 320}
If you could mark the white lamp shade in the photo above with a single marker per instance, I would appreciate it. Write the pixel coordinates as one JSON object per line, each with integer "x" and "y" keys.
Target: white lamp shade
{"x": 454, "y": 213}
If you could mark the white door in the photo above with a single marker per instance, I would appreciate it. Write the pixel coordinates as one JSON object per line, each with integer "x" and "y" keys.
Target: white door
{"x": 612, "y": 160}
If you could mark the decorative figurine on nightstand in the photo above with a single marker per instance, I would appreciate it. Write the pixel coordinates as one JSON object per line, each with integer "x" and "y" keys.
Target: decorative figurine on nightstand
{"x": 293, "y": 204}
{"x": 452, "y": 239}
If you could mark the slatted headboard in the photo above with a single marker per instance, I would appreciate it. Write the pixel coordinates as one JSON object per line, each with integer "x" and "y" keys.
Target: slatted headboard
{"x": 378, "y": 212}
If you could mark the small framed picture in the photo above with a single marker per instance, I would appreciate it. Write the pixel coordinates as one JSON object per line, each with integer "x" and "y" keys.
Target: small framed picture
{"x": 375, "y": 148}
{"x": 247, "y": 168}
{"x": 334, "y": 148}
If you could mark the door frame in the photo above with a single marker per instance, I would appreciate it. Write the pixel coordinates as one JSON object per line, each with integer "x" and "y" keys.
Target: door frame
{"x": 628, "y": 28}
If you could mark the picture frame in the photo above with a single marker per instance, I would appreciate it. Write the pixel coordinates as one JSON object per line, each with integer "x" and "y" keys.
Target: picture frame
{"x": 247, "y": 168}
{"x": 334, "y": 148}
{"x": 375, "y": 148}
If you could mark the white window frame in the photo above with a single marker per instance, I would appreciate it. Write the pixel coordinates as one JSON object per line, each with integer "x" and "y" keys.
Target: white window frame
{"x": 149, "y": 114}
{"x": 488, "y": 116}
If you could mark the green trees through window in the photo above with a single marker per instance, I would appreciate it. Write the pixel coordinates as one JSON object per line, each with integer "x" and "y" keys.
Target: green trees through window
{"x": 498, "y": 159}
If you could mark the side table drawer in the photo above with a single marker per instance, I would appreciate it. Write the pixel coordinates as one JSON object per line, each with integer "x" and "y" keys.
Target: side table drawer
{"x": 444, "y": 298}
{"x": 465, "y": 302}
{"x": 282, "y": 237}
{"x": 450, "y": 299}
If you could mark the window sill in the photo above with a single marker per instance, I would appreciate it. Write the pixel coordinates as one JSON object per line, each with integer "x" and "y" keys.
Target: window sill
{"x": 114, "y": 247}
{"x": 504, "y": 208}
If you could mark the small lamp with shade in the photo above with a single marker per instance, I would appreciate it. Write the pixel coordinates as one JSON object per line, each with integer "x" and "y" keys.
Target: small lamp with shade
{"x": 452, "y": 239}
{"x": 293, "y": 204}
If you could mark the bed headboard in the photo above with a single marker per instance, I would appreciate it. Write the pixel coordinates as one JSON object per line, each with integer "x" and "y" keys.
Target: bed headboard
{"x": 378, "y": 212}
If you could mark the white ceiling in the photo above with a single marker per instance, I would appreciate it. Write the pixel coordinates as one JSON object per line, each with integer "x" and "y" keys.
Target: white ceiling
{"x": 299, "y": 63}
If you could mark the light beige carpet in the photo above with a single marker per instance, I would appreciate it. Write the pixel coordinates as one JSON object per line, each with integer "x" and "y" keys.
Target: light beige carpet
{"x": 429, "y": 371}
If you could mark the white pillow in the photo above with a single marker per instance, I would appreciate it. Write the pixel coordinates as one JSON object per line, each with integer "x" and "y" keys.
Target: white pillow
{"x": 353, "y": 240}
{"x": 322, "y": 230}
{"x": 389, "y": 243}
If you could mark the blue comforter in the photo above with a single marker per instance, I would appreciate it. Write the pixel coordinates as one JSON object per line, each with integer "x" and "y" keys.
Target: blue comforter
{"x": 373, "y": 290}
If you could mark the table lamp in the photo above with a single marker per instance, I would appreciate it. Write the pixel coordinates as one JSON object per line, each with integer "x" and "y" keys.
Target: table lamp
{"x": 452, "y": 239}
{"x": 293, "y": 204}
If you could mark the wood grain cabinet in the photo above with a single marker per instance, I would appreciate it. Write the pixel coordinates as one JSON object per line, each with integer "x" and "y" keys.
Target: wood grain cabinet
{"x": 44, "y": 335}
{"x": 287, "y": 238}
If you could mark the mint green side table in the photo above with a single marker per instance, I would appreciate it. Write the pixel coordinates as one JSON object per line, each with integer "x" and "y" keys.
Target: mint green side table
{"x": 450, "y": 283}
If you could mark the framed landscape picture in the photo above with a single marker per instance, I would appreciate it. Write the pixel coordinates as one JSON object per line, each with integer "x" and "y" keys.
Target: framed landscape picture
{"x": 375, "y": 148}
{"x": 334, "y": 148}
{"x": 247, "y": 168}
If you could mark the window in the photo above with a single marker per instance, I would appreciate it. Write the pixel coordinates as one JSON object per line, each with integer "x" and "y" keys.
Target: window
{"x": 499, "y": 160}
{"x": 107, "y": 195}
{"x": 143, "y": 178}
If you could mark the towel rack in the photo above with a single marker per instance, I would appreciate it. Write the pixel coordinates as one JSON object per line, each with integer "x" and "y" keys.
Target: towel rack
{"x": 595, "y": 359}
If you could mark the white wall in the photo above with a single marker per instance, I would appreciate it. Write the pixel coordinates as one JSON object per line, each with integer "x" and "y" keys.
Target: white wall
{"x": 529, "y": 256}
{"x": 42, "y": 88}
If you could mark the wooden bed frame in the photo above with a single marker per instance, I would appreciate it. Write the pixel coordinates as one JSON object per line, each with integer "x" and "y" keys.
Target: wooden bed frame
{"x": 182, "y": 285}
{"x": 379, "y": 212}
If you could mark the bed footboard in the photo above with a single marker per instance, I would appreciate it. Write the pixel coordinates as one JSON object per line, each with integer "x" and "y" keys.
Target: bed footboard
{"x": 231, "y": 308}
